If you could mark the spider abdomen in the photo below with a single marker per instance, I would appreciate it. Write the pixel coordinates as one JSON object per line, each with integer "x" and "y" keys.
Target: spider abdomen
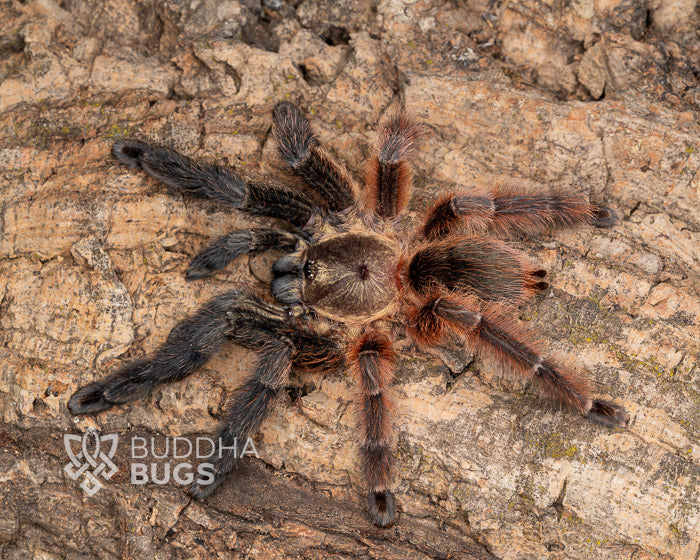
{"x": 351, "y": 277}
{"x": 487, "y": 268}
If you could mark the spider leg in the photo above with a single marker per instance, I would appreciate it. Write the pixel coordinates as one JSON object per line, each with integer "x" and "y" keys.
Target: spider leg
{"x": 372, "y": 362}
{"x": 487, "y": 268}
{"x": 491, "y": 334}
{"x": 255, "y": 322}
{"x": 282, "y": 349}
{"x": 250, "y": 322}
{"x": 190, "y": 344}
{"x": 228, "y": 247}
{"x": 389, "y": 177}
{"x": 316, "y": 352}
{"x": 300, "y": 148}
{"x": 507, "y": 211}
{"x": 250, "y": 404}
{"x": 215, "y": 182}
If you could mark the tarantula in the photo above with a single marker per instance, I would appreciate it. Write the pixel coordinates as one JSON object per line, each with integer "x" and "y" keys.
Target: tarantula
{"x": 351, "y": 281}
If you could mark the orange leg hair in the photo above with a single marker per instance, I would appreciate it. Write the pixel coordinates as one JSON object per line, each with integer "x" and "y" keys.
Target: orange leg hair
{"x": 510, "y": 211}
{"x": 389, "y": 177}
{"x": 372, "y": 362}
{"x": 487, "y": 268}
{"x": 489, "y": 333}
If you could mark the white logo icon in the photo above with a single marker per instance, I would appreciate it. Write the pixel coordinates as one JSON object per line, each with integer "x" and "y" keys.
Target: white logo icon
{"x": 91, "y": 464}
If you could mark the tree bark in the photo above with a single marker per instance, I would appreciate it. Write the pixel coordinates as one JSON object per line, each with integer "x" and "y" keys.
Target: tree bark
{"x": 597, "y": 98}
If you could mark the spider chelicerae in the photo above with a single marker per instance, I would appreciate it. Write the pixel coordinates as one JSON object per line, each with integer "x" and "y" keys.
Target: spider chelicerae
{"x": 354, "y": 279}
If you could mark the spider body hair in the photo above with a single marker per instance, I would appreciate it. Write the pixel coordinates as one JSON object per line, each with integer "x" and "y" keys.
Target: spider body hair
{"x": 350, "y": 277}
{"x": 487, "y": 268}
{"x": 389, "y": 176}
{"x": 352, "y": 280}
{"x": 508, "y": 210}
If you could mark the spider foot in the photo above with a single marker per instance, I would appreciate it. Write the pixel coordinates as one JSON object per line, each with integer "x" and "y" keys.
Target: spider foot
{"x": 201, "y": 491}
{"x": 217, "y": 255}
{"x": 293, "y": 133}
{"x": 130, "y": 152}
{"x": 605, "y": 217}
{"x": 537, "y": 280}
{"x": 381, "y": 508}
{"x": 122, "y": 386}
{"x": 88, "y": 400}
{"x": 211, "y": 259}
{"x": 609, "y": 414}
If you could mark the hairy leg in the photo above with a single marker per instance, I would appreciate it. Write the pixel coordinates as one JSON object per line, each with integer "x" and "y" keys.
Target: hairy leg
{"x": 389, "y": 177}
{"x": 508, "y": 211}
{"x": 300, "y": 148}
{"x": 493, "y": 335}
{"x": 192, "y": 342}
{"x": 228, "y": 247}
{"x": 487, "y": 268}
{"x": 249, "y": 405}
{"x": 250, "y": 322}
{"x": 283, "y": 347}
{"x": 254, "y": 400}
{"x": 372, "y": 362}
{"x": 215, "y": 182}
{"x": 189, "y": 346}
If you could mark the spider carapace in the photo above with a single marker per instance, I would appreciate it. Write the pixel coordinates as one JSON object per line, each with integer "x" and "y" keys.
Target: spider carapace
{"x": 352, "y": 280}
{"x": 350, "y": 277}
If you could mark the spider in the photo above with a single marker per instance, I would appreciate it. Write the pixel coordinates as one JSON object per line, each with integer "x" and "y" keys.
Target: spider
{"x": 351, "y": 281}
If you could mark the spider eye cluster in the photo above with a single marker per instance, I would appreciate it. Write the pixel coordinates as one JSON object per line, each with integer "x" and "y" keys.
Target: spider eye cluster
{"x": 310, "y": 269}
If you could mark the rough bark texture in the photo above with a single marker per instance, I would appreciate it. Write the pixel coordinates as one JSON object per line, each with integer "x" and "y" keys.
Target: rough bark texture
{"x": 597, "y": 96}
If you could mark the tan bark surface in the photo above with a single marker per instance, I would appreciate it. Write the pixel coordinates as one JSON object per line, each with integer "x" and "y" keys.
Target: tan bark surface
{"x": 598, "y": 96}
